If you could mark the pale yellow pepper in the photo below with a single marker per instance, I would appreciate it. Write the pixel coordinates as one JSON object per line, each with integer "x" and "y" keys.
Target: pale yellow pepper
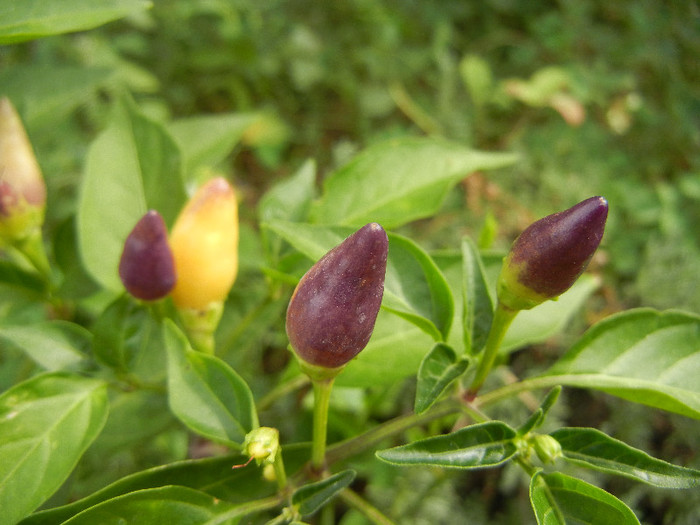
{"x": 204, "y": 242}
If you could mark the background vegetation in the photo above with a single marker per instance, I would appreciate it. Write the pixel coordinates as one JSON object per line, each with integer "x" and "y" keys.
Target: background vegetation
{"x": 595, "y": 97}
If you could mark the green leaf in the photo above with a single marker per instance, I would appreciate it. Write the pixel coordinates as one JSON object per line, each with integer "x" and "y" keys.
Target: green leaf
{"x": 558, "y": 499}
{"x": 549, "y": 318}
{"x": 206, "y": 394}
{"x": 538, "y": 416}
{"x": 31, "y": 19}
{"x": 171, "y": 504}
{"x": 313, "y": 496}
{"x": 592, "y": 448}
{"x": 205, "y": 141}
{"x": 46, "y": 424}
{"x": 398, "y": 181}
{"x": 437, "y": 371}
{"x": 288, "y": 200}
{"x": 476, "y": 446}
{"x": 212, "y": 475}
{"x": 14, "y": 276}
{"x": 47, "y": 93}
{"x": 414, "y": 287}
{"x": 478, "y": 304}
{"x": 54, "y": 345}
{"x": 641, "y": 355}
{"x": 131, "y": 167}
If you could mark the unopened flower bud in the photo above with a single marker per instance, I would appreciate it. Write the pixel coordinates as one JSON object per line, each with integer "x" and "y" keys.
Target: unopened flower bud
{"x": 548, "y": 257}
{"x": 22, "y": 187}
{"x": 146, "y": 267}
{"x": 546, "y": 447}
{"x": 204, "y": 241}
{"x": 332, "y": 312}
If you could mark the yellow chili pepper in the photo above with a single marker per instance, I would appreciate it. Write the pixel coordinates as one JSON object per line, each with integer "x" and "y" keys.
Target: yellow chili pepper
{"x": 204, "y": 242}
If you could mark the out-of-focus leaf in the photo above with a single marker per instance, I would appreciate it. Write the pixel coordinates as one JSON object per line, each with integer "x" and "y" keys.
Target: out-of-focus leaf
{"x": 641, "y": 355}
{"x": 171, "y": 504}
{"x": 44, "y": 93}
{"x": 206, "y": 394}
{"x": 46, "y": 424}
{"x": 476, "y": 446}
{"x": 592, "y": 448}
{"x": 437, "y": 371}
{"x": 205, "y": 141}
{"x": 398, "y": 181}
{"x": 12, "y": 275}
{"x": 313, "y": 496}
{"x": 132, "y": 166}
{"x": 558, "y": 499}
{"x": 54, "y": 345}
{"x": 31, "y": 19}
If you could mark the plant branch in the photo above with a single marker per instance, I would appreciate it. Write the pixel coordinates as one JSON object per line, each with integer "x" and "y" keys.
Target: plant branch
{"x": 369, "y": 511}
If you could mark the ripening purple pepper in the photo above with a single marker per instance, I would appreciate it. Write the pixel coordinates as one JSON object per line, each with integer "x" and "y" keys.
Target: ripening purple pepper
{"x": 548, "y": 257}
{"x": 332, "y": 312}
{"x": 146, "y": 267}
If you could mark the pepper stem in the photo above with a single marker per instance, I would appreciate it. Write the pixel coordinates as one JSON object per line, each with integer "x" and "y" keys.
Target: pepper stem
{"x": 322, "y": 397}
{"x": 502, "y": 319}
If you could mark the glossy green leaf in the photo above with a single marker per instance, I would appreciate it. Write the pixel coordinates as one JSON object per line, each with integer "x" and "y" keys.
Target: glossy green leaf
{"x": 414, "y": 287}
{"x": 538, "y": 416}
{"x": 592, "y": 448}
{"x": 206, "y": 394}
{"x": 398, "y": 181}
{"x": 312, "y": 496}
{"x": 437, "y": 371}
{"x": 205, "y": 141}
{"x": 173, "y": 505}
{"x": 46, "y": 424}
{"x": 53, "y": 345}
{"x": 558, "y": 499}
{"x": 476, "y": 446}
{"x": 31, "y": 19}
{"x": 212, "y": 475}
{"x": 641, "y": 355}
{"x": 132, "y": 166}
{"x": 478, "y": 304}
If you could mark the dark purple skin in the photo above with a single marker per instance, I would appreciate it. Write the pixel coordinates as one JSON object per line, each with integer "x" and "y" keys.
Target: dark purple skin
{"x": 554, "y": 251}
{"x": 146, "y": 267}
{"x": 332, "y": 312}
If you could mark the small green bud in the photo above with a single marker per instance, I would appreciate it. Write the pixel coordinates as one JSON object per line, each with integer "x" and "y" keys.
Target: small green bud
{"x": 546, "y": 447}
{"x": 548, "y": 257}
{"x": 146, "y": 267}
{"x": 332, "y": 312}
{"x": 262, "y": 445}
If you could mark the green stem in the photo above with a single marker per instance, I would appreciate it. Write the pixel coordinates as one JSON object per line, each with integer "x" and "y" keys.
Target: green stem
{"x": 372, "y": 437}
{"x": 368, "y": 510}
{"x": 281, "y": 390}
{"x": 499, "y": 326}
{"x": 322, "y": 397}
{"x": 280, "y": 473}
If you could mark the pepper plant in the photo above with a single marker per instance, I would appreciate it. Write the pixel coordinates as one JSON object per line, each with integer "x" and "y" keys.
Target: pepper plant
{"x": 129, "y": 325}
